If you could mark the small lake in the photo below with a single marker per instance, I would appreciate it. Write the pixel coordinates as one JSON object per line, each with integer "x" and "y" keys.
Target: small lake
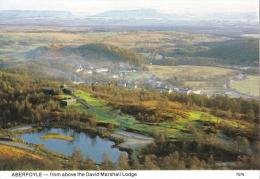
{"x": 91, "y": 147}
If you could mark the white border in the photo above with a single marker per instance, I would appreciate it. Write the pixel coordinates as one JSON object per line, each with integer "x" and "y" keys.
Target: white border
{"x": 154, "y": 174}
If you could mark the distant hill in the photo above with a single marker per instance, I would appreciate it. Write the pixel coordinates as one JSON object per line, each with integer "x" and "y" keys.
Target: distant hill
{"x": 136, "y": 14}
{"x": 90, "y": 52}
{"x": 235, "y": 52}
{"x": 125, "y": 20}
{"x": 30, "y": 17}
{"x": 32, "y": 14}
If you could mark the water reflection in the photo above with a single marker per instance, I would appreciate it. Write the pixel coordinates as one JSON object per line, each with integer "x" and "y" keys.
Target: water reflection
{"x": 92, "y": 147}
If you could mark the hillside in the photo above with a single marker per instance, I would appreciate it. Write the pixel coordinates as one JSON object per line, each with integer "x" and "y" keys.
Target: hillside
{"x": 189, "y": 125}
{"x": 90, "y": 52}
{"x": 235, "y": 52}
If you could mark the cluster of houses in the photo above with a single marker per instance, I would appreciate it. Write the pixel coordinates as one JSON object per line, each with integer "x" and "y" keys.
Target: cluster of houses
{"x": 90, "y": 69}
{"x": 120, "y": 72}
{"x": 120, "y": 75}
{"x": 180, "y": 90}
{"x": 158, "y": 85}
{"x": 163, "y": 86}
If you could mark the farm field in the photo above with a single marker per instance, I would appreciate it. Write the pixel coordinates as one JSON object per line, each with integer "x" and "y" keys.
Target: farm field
{"x": 190, "y": 72}
{"x": 250, "y": 85}
{"x": 194, "y": 77}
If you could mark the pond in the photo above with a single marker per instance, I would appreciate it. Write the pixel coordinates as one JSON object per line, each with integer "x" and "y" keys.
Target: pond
{"x": 92, "y": 147}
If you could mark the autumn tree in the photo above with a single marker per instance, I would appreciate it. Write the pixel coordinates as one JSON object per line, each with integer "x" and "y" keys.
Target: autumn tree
{"x": 123, "y": 162}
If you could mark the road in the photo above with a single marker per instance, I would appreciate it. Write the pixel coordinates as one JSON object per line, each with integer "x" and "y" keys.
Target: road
{"x": 17, "y": 144}
{"x": 132, "y": 140}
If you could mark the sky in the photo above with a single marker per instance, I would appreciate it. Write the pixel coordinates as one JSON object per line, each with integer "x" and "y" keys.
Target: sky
{"x": 164, "y": 6}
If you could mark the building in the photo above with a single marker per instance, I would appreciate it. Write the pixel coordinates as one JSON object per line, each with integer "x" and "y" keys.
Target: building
{"x": 170, "y": 91}
{"x": 89, "y": 72}
{"x": 115, "y": 76}
{"x": 67, "y": 102}
{"x": 48, "y": 91}
{"x": 194, "y": 92}
{"x": 67, "y": 91}
{"x": 62, "y": 86}
{"x": 79, "y": 69}
{"x": 101, "y": 70}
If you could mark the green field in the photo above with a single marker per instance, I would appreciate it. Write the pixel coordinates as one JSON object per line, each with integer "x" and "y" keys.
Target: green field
{"x": 249, "y": 86}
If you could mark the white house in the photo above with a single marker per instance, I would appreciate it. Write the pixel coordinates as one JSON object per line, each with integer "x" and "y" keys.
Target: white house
{"x": 79, "y": 69}
{"x": 194, "y": 92}
{"x": 101, "y": 70}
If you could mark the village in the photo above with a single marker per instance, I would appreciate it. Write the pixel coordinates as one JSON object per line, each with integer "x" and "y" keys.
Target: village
{"x": 127, "y": 76}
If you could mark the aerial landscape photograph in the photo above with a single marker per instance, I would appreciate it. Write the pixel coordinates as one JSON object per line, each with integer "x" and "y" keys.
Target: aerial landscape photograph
{"x": 129, "y": 85}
